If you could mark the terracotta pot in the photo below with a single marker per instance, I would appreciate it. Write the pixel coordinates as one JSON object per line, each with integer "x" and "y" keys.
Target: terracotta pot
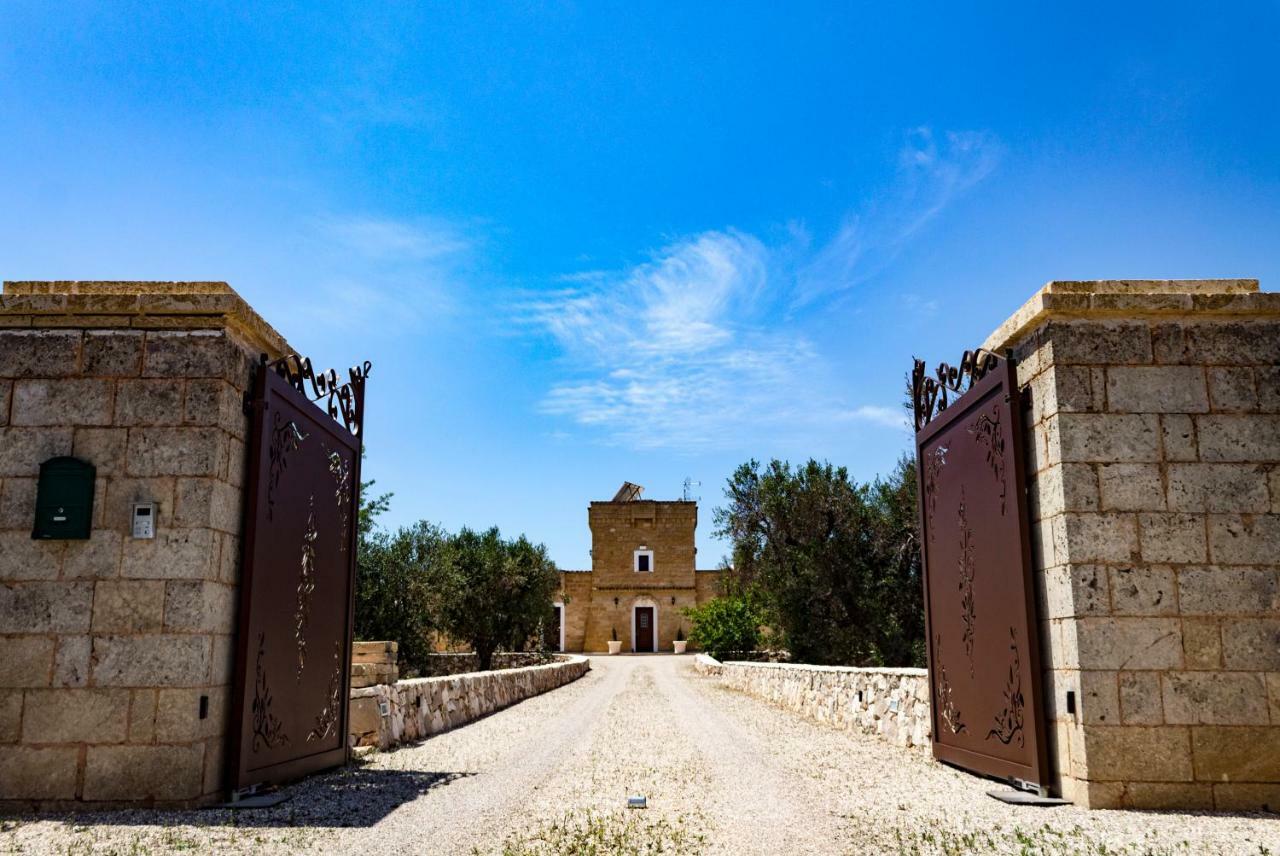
{"x": 614, "y": 646}
{"x": 680, "y": 645}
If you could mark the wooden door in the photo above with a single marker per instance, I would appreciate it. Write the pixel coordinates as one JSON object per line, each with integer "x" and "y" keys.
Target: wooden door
{"x": 644, "y": 629}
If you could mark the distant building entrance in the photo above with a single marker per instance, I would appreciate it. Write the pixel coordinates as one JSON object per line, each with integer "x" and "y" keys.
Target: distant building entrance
{"x": 643, "y": 576}
{"x": 553, "y": 630}
{"x": 644, "y": 630}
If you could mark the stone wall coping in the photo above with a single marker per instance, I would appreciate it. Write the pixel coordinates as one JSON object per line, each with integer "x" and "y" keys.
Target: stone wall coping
{"x": 644, "y": 586}
{"x": 562, "y": 660}
{"x": 138, "y": 305}
{"x": 806, "y": 667}
{"x": 648, "y": 503}
{"x": 1133, "y": 298}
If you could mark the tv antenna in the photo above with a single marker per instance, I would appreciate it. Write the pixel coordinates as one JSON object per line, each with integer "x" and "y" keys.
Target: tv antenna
{"x": 689, "y": 485}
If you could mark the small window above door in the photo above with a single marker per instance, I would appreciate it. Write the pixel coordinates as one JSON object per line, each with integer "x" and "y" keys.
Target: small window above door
{"x": 643, "y": 561}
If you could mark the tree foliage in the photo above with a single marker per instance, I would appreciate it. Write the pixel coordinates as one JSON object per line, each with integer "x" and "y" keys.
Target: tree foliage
{"x": 835, "y": 565}
{"x": 725, "y": 625}
{"x": 474, "y": 587}
{"x": 399, "y": 589}
{"x": 499, "y": 591}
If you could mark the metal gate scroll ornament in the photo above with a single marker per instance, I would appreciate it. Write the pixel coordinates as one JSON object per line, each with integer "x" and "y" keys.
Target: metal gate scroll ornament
{"x": 983, "y": 648}
{"x": 297, "y": 587}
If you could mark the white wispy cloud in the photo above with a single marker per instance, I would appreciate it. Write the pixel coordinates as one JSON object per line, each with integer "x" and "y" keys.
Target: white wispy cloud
{"x": 683, "y": 351}
{"x": 700, "y": 346}
{"x": 940, "y": 168}
{"x": 933, "y": 171}
{"x": 385, "y": 273}
{"x": 668, "y": 353}
{"x": 875, "y": 414}
{"x": 394, "y": 240}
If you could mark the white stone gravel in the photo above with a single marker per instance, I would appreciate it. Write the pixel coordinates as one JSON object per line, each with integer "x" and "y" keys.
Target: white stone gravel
{"x": 729, "y": 773}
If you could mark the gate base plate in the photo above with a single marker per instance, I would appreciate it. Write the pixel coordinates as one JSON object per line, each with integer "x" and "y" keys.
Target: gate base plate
{"x": 256, "y": 801}
{"x": 1025, "y": 798}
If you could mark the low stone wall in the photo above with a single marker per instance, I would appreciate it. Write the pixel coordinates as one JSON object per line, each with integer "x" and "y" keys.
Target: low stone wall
{"x": 388, "y": 715}
{"x": 890, "y": 703}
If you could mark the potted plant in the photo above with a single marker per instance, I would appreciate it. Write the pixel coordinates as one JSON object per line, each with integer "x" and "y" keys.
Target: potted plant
{"x": 680, "y": 643}
{"x": 614, "y": 645}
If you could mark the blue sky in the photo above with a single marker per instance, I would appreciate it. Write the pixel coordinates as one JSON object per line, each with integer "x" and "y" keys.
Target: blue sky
{"x": 583, "y": 243}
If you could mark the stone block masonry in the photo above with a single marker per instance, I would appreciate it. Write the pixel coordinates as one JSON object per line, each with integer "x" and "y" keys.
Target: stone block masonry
{"x": 110, "y": 648}
{"x": 374, "y": 663}
{"x": 618, "y": 592}
{"x": 422, "y": 707}
{"x": 1154, "y": 456}
{"x": 892, "y": 704}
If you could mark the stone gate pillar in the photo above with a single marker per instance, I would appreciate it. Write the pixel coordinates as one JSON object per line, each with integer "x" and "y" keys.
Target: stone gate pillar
{"x": 115, "y": 652}
{"x": 1154, "y": 458}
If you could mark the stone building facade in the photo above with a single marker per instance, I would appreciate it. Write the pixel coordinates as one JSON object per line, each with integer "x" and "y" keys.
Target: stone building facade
{"x": 1154, "y": 457}
{"x": 643, "y": 572}
{"x": 115, "y": 651}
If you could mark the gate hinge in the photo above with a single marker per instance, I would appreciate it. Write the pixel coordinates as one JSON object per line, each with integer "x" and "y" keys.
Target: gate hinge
{"x": 249, "y": 402}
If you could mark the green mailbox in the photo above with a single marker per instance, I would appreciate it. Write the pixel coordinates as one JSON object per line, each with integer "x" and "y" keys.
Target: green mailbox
{"x": 64, "y": 499}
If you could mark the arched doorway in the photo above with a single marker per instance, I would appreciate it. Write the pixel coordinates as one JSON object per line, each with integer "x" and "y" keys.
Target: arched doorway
{"x": 644, "y": 625}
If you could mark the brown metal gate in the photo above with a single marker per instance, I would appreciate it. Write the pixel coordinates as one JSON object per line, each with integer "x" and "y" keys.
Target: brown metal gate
{"x": 297, "y": 586}
{"x": 983, "y": 643}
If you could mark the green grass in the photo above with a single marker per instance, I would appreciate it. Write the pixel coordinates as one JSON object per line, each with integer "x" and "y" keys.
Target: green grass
{"x": 938, "y": 840}
{"x": 590, "y": 833}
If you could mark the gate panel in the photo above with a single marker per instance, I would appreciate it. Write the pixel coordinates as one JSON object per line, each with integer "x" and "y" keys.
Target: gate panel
{"x": 297, "y": 589}
{"x": 983, "y": 642}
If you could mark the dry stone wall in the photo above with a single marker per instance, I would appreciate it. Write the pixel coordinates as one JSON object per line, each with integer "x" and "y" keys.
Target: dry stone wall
{"x": 892, "y": 704}
{"x": 421, "y": 707}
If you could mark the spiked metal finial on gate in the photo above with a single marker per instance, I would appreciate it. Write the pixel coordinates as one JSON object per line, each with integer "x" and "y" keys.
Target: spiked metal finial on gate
{"x": 929, "y": 396}
{"x": 344, "y": 403}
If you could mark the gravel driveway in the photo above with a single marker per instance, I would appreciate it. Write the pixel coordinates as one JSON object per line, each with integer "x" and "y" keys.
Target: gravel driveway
{"x": 723, "y": 773}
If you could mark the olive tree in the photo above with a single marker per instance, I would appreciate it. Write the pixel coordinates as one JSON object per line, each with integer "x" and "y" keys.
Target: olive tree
{"x": 728, "y": 624}
{"x": 498, "y": 591}
{"x": 399, "y": 588}
{"x": 834, "y": 564}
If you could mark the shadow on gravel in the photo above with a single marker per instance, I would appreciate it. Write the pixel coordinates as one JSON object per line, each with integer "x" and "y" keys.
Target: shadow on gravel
{"x": 352, "y": 797}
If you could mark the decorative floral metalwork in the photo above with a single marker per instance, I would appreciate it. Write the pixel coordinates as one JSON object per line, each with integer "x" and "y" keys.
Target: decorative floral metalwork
{"x": 933, "y": 464}
{"x": 306, "y": 586}
{"x": 931, "y": 395}
{"x": 946, "y": 706}
{"x": 267, "y": 730}
{"x": 986, "y": 431}
{"x": 1009, "y": 721}
{"x": 968, "y": 568}
{"x": 344, "y": 403}
{"x": 286, "y": 437}
{"x": 340, "y": 469}
{"x": 327, "y": 721}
